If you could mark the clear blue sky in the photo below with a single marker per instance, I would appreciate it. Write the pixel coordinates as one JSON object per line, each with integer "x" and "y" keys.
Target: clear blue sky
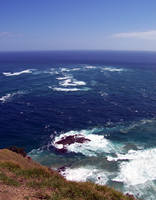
{"x": 77, "y": 24}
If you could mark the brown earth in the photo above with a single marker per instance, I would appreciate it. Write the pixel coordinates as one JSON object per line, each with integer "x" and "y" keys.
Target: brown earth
{"x": 23, "y": 179}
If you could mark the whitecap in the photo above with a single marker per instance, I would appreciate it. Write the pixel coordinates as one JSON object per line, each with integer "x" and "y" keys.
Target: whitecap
{"x": 112, "y": 69}
{"x": 66, "y": 89}
{"x": 59, "y": 89}
{"x": 71, "y": 82}
{"x": 90, "y": 67}
{"x": 9, "y": 96}
{"x": 88, "y": 173}
{"x": 65, "y": 69}
{"x": 17, "y": 73}
{"x": 51, "y": 71}
{"x": 6, "y": 97}
{"x": 96, "y": 144}
{"x": 78, "y": 82}
{"x": 70, "y": 69}
{"x": 140, "y": 168}
{"x": 63, "y": 78}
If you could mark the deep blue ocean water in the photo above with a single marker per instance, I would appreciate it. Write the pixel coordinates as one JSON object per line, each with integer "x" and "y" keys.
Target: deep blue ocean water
{"x": 107, "y": 97}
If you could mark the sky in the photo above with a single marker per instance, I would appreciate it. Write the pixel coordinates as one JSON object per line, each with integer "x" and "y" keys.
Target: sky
{"x": 77, "y": 24}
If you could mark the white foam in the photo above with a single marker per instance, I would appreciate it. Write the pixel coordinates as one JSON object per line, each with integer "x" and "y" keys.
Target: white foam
{"x": 67, "y": 82}
{"x": 79, "y": 82}
{"x": 76, "y": 69}
{"x": 63, "y": 78}
{"x": 98, "y": 144}
{"x": 83, "y": 174}
{"x": 6, "y": 97}
{"x": 140, "y": 168}
{"x": 59, "y": 89}
{"x": 71, "y": 82}
{"x": 70, "y": 69}
{"x": 112, "y": 69}
{"x": 17, "y": 73}
{"x": 51, "y": 71}
{"x": 65, "y": 89}
{"x": 65, "y": 69}
{"x": 9, "y": 96}
{"x": 90, "y": 67}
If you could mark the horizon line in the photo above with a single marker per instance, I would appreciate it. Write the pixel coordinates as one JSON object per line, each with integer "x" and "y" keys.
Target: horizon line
{"x": 69, "y": 50}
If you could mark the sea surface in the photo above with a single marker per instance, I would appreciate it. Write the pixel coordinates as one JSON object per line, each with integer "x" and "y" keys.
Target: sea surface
{"x": 106, "y": 97}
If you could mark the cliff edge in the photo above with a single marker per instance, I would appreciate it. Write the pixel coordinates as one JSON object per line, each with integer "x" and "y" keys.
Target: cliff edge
{"x": 23, "y": 179}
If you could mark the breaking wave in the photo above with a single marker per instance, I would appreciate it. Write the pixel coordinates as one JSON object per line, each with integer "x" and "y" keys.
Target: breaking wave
{"x": 63, "y": 69}
{"x": 90, "y": 67}
{"x": 9, "y": 96}
{"x": 64, "y": 77}
{"x": 112, "y": 69}
{"x": 72, "y": 82}
{"x": 59, "y": 89}
{"x": 17, "y": 73}
{"x": 94, "y": 146}
{"x": 83, "y": 174}
{"x": 140, "y": 168}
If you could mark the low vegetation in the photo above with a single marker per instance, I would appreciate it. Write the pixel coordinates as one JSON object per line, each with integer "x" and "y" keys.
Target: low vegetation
{"x": 22, "y": 178}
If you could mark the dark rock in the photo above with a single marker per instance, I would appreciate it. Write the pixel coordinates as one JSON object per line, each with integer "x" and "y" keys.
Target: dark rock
{"x": 28, "y": 157}
{"x": 62, "y": 150}
{"x": 18, "y": 150}
{"x": 72, "y": 139}
{"x": 61, "y": 169}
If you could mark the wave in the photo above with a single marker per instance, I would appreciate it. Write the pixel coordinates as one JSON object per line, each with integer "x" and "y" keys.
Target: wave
{"x": 17, "y": 73}
{"x": 95, "y": 144}
{"x": 66, "y": 89}
{"x": 128, "y": 170}
{"x": 9, "y": 96}
{"x": 72, "y": 82}
{"x": 106, "y": 68}
{"x": 83, "y": 174}
{"x": 63, "y": 69}
{"x": 112, "y": 69}
{"x": 59, "y": 89}
{"x": 140, "y": 168}
{"x": 5, "y": 98}
{"x": 97, "y": 141}
{"x": 51, "y": 71}
{"x": 64, "y": 78}
{"x": 90, "y": 67}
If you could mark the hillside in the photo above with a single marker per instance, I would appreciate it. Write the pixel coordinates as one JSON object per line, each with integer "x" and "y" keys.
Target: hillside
{"x": 23, "y": 179}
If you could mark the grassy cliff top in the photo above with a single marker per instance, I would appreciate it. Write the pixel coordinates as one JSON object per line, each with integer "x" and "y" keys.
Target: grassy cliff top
{"x": 21, "y": 178}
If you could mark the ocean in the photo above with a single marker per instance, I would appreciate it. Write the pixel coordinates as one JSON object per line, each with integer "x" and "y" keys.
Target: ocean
{"x": 91, "y": 115}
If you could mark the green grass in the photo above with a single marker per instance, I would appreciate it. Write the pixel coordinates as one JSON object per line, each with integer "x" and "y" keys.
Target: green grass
{"x": 39, "y": 178}
{"x": 54, "y": 186}
{"x": 8, "y": 181}
{"x": 32, "y": 173}
{"x": 10, "y": 166}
